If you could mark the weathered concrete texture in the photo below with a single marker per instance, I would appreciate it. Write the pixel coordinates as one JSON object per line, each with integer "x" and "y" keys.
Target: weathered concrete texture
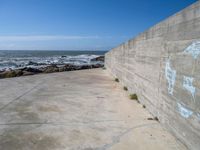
{"x": 162, "y": 65}
{"x": 80, "y": 110}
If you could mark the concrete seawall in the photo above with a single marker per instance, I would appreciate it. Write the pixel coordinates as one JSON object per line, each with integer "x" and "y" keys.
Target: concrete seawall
{"x": 162, "y": 65}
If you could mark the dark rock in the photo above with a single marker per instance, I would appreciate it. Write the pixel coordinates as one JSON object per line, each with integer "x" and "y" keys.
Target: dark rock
{"x": 11, "y": 73}
{"x": 51, "y": 69}
{"x": 32, "y": 63}
{"x": 8, "y": 74}
{"x": 100, "y": 58}
{"x": 33, "y": 70}
{"x": 63, "y": 56}
{"x": 97, "y": 65}
{"x": 86, "y": 67}
{"x": 26, "y": 73}
{"x": 18, "y": 72}
{"x": 70, "y": 67}
{"x": 61, "y": 69}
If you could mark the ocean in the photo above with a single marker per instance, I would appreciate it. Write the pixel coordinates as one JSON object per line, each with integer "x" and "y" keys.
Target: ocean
{"x": 14, "y": 59}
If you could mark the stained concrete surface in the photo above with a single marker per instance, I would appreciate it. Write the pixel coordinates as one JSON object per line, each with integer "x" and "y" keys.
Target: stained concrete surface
{"x": 80, "y": 110}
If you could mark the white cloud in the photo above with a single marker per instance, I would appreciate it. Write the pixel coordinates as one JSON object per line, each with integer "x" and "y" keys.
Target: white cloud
{"x": 45, "y": 38}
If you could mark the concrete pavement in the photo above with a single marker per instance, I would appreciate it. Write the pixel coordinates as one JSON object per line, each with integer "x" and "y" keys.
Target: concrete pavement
{"x": 80, "y": 110}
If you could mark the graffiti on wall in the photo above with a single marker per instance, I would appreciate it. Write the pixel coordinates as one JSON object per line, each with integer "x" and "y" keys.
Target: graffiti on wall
{"x": 184, "y": 112}
{"x": 170, "y": 75}
{"x": 193, "y": 49}
{"x": 198, "y": 115}
{"x": 187, "y": 84}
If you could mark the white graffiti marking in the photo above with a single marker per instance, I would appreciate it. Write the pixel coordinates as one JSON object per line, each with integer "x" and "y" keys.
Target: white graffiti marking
{"x": 186, "y": 113}
{"x": 187, "y": 84}
{"x": 193, "y": 49}
{"x": 198, "y": 115}
{"x": 170, "y": 75}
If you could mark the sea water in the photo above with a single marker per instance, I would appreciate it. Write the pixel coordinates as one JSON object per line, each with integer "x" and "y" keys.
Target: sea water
{"x": 27, "y": 58}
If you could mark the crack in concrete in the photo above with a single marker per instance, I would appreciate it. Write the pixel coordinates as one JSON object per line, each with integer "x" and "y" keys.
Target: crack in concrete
{"x": 117, "y": 138}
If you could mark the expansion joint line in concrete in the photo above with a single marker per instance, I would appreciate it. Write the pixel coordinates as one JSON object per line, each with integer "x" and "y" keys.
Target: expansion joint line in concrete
{"x": 116, "y": 139}
{"x": 59, "y": 123}
{"x": 28, "y": 91}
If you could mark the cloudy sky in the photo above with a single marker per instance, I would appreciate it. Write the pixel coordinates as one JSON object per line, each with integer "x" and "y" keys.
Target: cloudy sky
{"x": 78, "y": 24}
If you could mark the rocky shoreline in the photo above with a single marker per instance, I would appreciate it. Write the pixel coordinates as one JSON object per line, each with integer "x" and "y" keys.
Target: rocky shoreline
{"x": 25, "y": 71}
{"x": 48, "y": 69}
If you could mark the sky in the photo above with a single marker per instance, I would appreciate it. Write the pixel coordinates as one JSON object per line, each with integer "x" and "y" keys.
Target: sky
{"x": 79, "y": 24}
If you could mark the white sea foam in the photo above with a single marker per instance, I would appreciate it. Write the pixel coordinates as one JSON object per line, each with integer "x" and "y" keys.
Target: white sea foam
{"x": 7, "y": 63}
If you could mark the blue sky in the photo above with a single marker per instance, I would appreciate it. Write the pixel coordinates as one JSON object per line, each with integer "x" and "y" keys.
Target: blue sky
{"x": 79, "y": 24}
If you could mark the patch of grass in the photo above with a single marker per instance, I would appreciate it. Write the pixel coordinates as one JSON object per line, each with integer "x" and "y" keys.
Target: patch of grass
{"x": 116, "y": 80}
{"x": 149, "y": 118}
{"x": 155, "y": 118}
{"x": 133, "y": 97}
{"x": 143, "y": 106}
{"x": 104, "y": 68}
{"x": 125, "y": 88}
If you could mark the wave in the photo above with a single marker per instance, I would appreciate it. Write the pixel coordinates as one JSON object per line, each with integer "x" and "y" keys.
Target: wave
{"x": 8, "y": 63}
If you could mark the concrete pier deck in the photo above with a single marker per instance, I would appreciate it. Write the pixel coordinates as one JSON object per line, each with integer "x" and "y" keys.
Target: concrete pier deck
{"x": 80, "y": 110}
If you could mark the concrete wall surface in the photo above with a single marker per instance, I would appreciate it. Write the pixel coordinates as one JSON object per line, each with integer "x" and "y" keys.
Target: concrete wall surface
{"x": 162, "y": 66}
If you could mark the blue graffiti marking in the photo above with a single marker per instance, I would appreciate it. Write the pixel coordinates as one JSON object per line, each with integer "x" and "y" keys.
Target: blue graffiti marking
{"x": 187, "y": 84}
{"x": 193, "y": 49}
{"x": 170, "y": 75}
{"x": 186, "y": 113}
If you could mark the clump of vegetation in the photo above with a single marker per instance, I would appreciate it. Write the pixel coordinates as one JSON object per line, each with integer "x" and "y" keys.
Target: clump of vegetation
{"x": 10, "y": 74}
{"x": 149, "y": 118}
{"x": 104, "y": 68}
{"x": 155, "y": 118}
{"x": 116, "y": 80}
{"x": 133, "y": 97}
{"x": 125, "y": 88}
{"x": 143, "y": 106}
